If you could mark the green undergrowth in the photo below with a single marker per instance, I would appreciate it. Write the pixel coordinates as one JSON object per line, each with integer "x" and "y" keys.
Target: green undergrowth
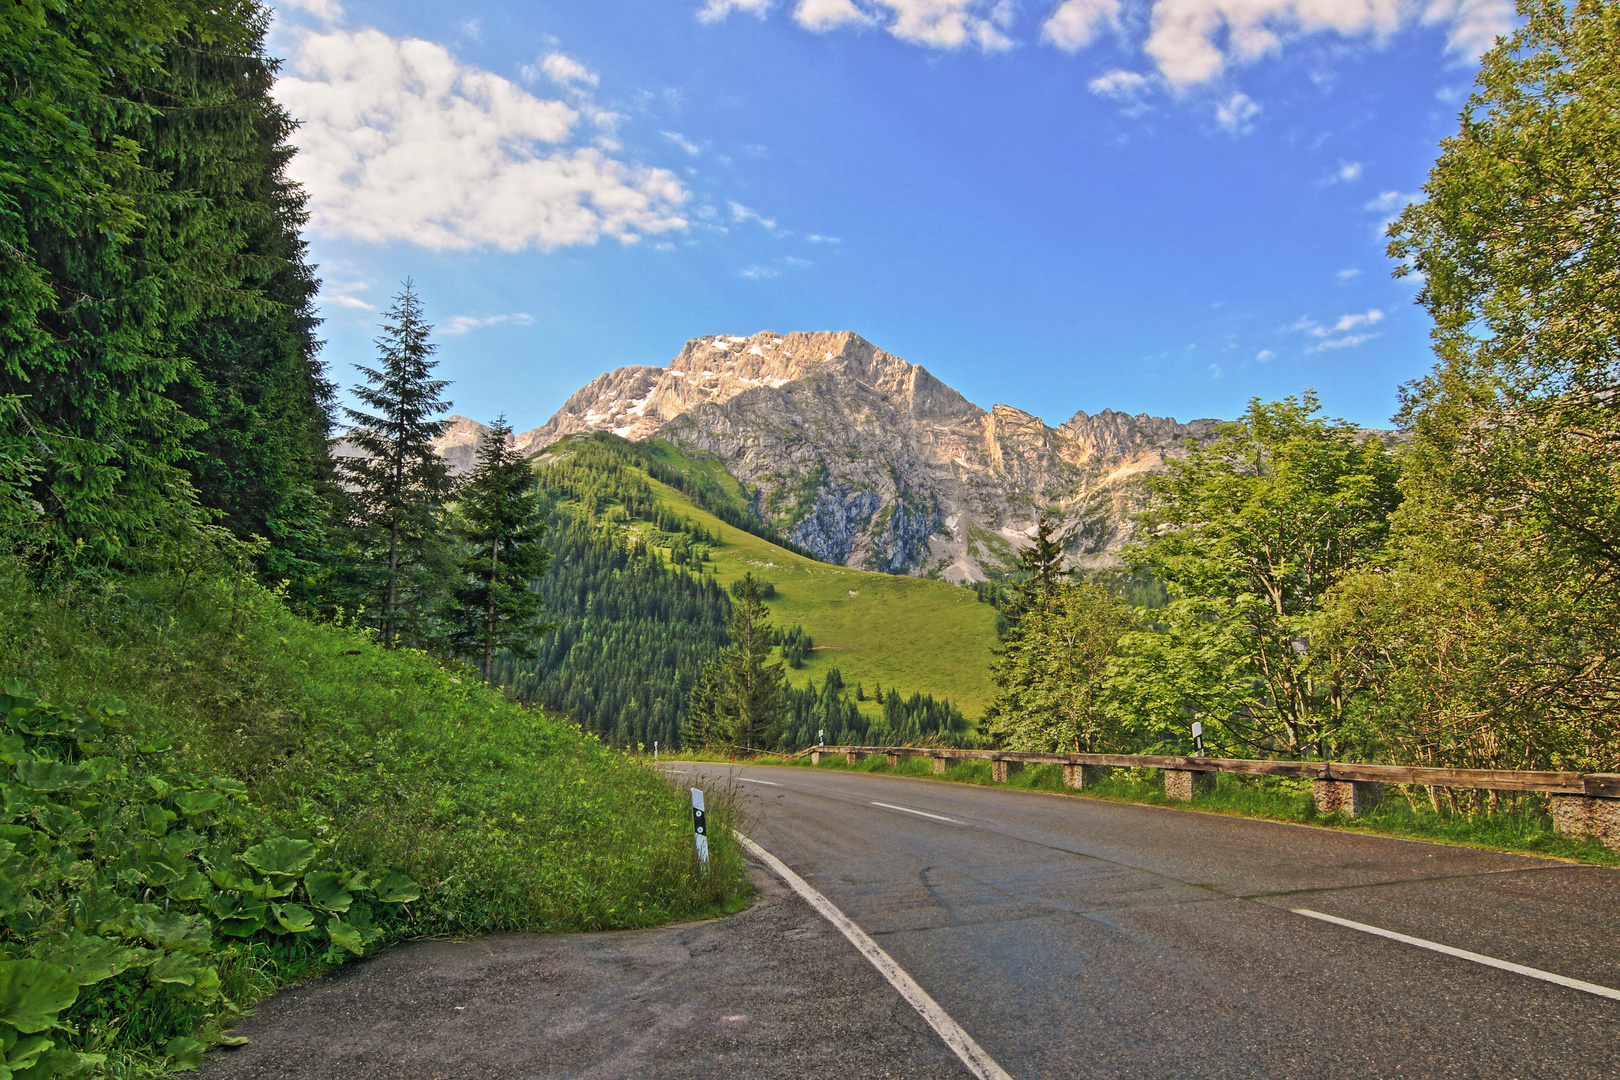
{"x": 207, "y": 797}
{"x": 1525, "y": 828}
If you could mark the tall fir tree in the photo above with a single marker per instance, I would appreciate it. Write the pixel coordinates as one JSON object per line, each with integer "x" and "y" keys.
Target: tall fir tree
{"x": 1041, "y": 567}
{"x": 494, "y": 606}
{"x": 739, "y": 700}
{"x": 145, "y": 224}
{"x": 398, "y": 483}
{"x": 253, "y": 378}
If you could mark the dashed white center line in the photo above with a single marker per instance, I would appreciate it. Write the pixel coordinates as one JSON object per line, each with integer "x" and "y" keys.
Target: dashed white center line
{"x": 1463, "y": 954}
{"x": 919, "y": 813}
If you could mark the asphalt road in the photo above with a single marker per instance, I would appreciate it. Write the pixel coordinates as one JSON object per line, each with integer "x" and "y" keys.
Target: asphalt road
{"x": 772, "y": 993}
{"x": 1078, "y": 938}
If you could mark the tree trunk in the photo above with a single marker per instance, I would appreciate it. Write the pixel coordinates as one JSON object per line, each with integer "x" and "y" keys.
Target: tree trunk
{"x": 489, "y": 625}
{"x": 391, "y": 605}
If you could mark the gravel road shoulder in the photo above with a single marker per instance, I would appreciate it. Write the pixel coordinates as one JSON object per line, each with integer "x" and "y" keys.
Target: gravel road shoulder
{"x": 770, "y": 992}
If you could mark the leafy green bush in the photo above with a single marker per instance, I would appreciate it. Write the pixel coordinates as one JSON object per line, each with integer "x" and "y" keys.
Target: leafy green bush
{"x": 127, "y": 879}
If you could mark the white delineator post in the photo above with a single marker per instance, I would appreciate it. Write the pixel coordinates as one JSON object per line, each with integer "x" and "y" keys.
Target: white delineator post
{"x": 655, "y": 749}
{"x": 700, "y": 829}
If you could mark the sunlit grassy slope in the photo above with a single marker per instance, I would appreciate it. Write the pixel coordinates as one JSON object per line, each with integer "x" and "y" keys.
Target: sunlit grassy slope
{"x": 909, "y": 634}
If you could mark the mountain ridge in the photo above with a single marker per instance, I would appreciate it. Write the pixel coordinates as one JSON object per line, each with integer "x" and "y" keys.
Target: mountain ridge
{"x": 869, "y": 460}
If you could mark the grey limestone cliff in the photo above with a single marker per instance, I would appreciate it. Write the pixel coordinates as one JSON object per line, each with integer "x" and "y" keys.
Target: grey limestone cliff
{"x": 870, "y": 461}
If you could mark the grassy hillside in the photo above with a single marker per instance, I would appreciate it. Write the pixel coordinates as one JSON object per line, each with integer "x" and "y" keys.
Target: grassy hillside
{"x": 910, "y": 634}
{"x": 197, "y": 725}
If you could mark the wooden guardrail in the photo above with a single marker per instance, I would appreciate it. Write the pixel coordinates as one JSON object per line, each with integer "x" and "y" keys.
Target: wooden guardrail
{"x": 1582, "y": 803}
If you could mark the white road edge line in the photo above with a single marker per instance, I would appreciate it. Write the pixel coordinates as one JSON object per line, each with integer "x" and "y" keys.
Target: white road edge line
{"x": 919, "y": 813}
{"x": 767, "y": 783}
{"x": 1488, "y": 961}
{"x": 972, "y": 1054}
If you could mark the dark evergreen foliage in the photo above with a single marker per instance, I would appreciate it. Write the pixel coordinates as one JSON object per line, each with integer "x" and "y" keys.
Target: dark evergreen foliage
{"x": 738, "y": 700}
{"x": 704, "y": 491}
{"x": 499, "y": 525}
{"x": 631, "y": 637}
{"x": 832, "y": 708}
{"x": 398, "y": 484}
{"x": 113, "y": 322}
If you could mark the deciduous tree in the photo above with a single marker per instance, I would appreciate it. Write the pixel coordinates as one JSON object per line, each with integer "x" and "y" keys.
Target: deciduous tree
{"x": 1250, "y": 533}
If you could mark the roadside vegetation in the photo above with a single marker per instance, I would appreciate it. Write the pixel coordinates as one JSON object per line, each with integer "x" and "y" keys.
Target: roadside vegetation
{"x": 1450, "y": 599}
{"x": 221, "y": 797}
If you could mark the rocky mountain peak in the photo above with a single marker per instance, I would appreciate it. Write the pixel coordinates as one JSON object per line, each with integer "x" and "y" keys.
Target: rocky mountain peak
{"x": 870, "y": 460}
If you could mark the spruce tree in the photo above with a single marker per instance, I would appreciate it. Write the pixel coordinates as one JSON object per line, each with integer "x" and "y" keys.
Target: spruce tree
{"x": 739, "y": 698}
{"x": 499, "y": 524}
{"x": 399, "y": 484}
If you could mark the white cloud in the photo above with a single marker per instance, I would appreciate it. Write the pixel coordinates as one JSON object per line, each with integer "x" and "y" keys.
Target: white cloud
{"x": 683, "y": 142}
{"x": 1347, "y": 275}
{"x": 822, "y": 15}
{"x": 1122, "y": 85}
{"x": 564, "y": 70}
{"x": 1076, "y": 23}
{"x": 342, "y": 294}
{"x": 939, "y": 24}
{"x": 1345, "y": 324}
{"x": 1349, "y": 172}
{"x": 1341, "y": 343}
{"x": 1265, "y": 355}
{"x": 1187, "y": 35}
{"x": 951, "y": 24}
{"x": 1474, "y": 24}
{"x": 1235, "y": 112}
{"x": 715, "y": 10}
{"x": 761, "y": 273}
{"x": 1389, "y": 200}
{"x": 461, "y": 324}
{"x": 1191, "y": 41}
{"x": 1350, "y": 322}
{"x": 400, "y": 141}
{"x": 739, "y": 213}
{"x": 816, "y": 238}
{"x": 329, "y": 11}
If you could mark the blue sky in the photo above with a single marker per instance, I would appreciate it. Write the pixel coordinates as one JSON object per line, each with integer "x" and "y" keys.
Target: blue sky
{"x": 1168, "y": 206}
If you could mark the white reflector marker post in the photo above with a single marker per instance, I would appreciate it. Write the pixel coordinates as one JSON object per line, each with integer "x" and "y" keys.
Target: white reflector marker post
{"x": 981, "y": 1064}
{"x": 700, "y": 829}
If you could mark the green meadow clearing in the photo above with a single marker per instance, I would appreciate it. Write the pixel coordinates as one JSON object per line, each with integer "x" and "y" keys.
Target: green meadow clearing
{"x": 906, "y": 633}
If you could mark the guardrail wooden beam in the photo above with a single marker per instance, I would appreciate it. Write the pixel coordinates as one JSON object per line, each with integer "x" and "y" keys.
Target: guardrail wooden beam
{"x": 1583, "y": 804}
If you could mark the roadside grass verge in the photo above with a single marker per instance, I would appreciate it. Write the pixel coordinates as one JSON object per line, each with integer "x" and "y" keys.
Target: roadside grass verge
{"x": 1525, "y": 828}
{"x": 381, "y": 761}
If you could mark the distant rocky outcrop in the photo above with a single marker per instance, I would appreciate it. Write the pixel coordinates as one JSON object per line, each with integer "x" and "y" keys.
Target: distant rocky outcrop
{"x": 869, "y": 460}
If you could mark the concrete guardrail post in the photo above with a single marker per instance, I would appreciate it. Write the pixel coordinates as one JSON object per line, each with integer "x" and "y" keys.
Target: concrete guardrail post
{"x": 1588, "y": 815}
{"x": 1081, "y": 777}
{"x": 939, "y": 765}
{"x": 1001, "y": 769}
{"x": 849, "y": 759}
{"x": 815, "y": 757}
{"x": 1183, "y": 784}
{"x": 894, "y": 761}
{"x": 1349, "y": 797}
